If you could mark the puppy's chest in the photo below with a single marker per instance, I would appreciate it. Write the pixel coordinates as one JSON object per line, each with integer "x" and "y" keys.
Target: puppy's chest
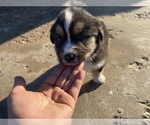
{"x": 90, "y": 65}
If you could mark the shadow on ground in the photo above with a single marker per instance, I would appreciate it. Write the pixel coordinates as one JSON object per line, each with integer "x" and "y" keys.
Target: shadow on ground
{"x": 31, "y": 87}
{"x": 15, "y": 21}
{"x": 86, "y": 88}
{"x": 89, "y": 87}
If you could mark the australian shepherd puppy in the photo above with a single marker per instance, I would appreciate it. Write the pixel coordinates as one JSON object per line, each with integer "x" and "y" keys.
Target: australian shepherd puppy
{"x": 80, "y": 37}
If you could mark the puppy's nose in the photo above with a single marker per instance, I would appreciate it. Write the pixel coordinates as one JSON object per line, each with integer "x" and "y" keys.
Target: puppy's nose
{"x": 69, "y": 57}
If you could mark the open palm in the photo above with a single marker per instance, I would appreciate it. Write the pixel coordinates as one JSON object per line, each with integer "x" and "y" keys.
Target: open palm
{"x": 55, "y": 98}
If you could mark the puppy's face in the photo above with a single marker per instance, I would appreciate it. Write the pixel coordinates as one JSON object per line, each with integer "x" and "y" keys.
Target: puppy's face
{"x": 76, "y": 35}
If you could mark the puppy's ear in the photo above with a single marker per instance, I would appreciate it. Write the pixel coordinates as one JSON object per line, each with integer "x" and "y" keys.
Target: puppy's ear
{"x": 52, "y": 33}
{"x": 102, "y": 34}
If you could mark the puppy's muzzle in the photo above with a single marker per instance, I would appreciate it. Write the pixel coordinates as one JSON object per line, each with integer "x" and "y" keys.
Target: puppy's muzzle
{"x": 69, "y": 57}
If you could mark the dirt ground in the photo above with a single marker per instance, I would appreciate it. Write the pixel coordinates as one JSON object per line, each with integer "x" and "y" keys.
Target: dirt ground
{"x": 26, "y": 50}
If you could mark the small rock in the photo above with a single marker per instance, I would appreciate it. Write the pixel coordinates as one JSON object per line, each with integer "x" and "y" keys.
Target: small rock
{"x": 26, "y": 66}
{"x": 1, "y": 59}
{"x": 120, "y": 110}
{"x": 145, "y": 58}
{"x": 111, "y": 36}
{"x": 111, "y": 92}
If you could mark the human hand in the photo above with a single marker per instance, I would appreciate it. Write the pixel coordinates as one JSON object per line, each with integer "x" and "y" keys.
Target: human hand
{"x": 55, "y": 98}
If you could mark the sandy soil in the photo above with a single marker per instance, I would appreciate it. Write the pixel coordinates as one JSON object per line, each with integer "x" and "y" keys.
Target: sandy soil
{"x": 25, "y": 50}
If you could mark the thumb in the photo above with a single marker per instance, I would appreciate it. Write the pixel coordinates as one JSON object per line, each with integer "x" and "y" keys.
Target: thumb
{"x": 19, "y": 83}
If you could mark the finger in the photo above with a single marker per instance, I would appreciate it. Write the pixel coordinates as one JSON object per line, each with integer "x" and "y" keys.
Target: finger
{"x": 52, "y": 78}
{"x": 64, "y": 76}
{"x": 72, "y": 77}
{"x": 19, "y": 83}
{"x": 76, "y": 86}
{"x": 79, "y": 67}
{"x": 70, "y": 80}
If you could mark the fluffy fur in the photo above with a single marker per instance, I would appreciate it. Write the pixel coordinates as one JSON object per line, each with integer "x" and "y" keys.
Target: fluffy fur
{"x": 78, "y": 37}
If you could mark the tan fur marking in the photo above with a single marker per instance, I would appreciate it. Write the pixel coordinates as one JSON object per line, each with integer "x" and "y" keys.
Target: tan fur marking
{"x": 59, "y": 30}
{"x": 78, "y": 27}
{"x": 91, "y": 46}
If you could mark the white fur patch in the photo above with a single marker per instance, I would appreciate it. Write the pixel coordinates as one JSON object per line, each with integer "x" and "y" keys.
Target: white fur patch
{"x": 67, "y": 23}
{"x": 100, "y": 79}
{"x": 68, "y": 18}
{"x": 68, "y": 48}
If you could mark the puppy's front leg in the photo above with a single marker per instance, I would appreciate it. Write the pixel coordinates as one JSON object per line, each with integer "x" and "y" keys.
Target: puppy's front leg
{"x": 97, "y": 75}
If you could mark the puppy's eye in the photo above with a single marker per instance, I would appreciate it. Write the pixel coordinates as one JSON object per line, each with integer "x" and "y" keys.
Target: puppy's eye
{"x": 82, "y": 37}
{"x": 59, "y": 38}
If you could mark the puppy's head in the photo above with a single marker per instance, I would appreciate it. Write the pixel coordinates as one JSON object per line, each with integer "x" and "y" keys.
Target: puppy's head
{"x": 76, "y": 35}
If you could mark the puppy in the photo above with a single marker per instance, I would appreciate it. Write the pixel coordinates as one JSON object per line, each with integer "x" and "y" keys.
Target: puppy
{"x": 80, "y": 37}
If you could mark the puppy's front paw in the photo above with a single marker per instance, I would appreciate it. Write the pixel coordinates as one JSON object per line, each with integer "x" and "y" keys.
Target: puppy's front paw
{"x": 100, "y": 79}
